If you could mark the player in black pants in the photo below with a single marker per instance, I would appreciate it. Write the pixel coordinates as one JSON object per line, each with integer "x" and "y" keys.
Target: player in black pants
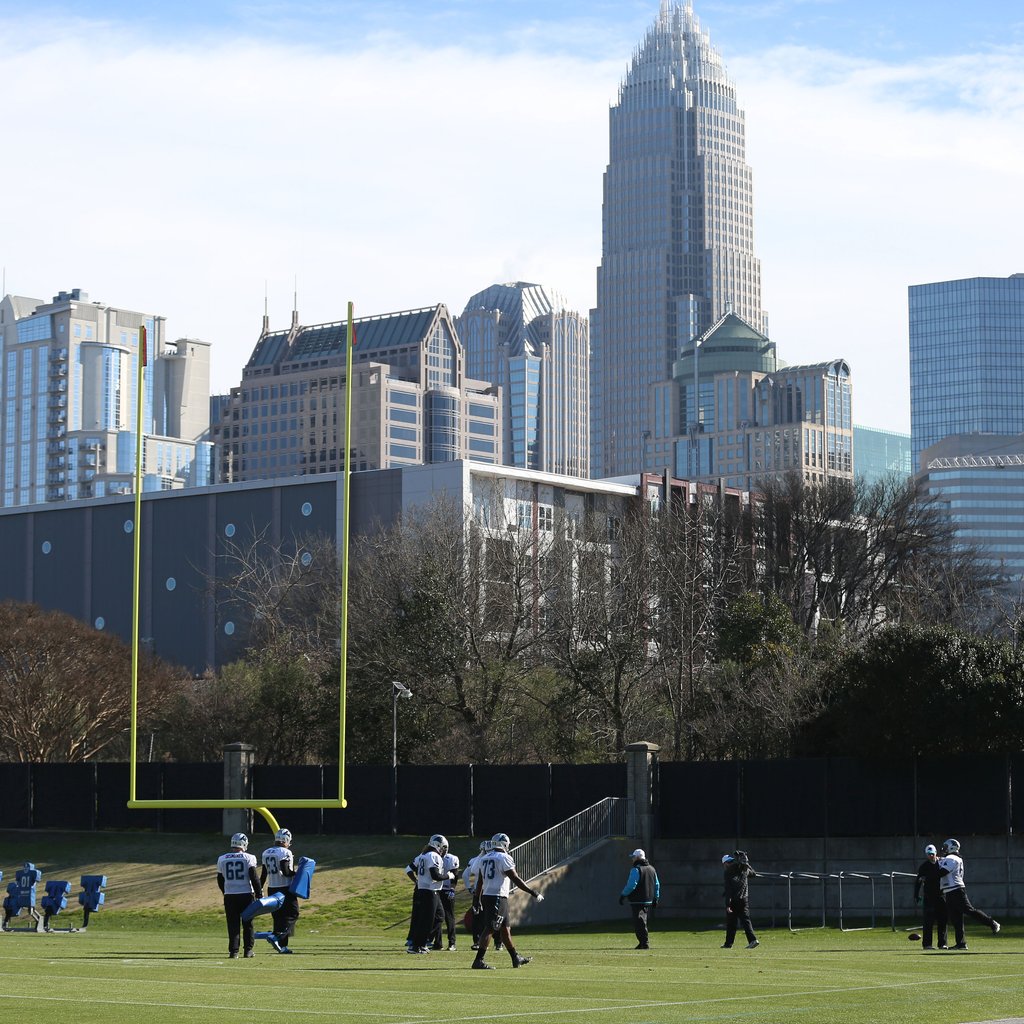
{"x": 279, "y": 868}
{"x": 928, "y": 877}
{"x": 237, "y": 879}
{"x": 955, "y": 893}
{"x": 738, "y": 872}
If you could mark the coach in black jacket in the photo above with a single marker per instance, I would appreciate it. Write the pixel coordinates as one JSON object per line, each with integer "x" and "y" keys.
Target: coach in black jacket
{"x": 928, "y": 875}
{"x": 738, "y": 873}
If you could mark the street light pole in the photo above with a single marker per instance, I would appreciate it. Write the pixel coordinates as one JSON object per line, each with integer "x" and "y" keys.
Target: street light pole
{"x": 397, "y": 690}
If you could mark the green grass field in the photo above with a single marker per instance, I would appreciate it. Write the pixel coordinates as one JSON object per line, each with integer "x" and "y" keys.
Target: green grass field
{"x": 141, "y": 959}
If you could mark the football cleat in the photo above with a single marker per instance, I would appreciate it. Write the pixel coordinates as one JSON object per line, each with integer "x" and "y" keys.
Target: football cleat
{"x": 240, "y": 841}
{"x": 521, "y": 961}
{"x": 249, "y": 954}
{"x": 232, "y": 956}
{"x": 438, "y": 843}
{"x": 481, "y": 965}
{"x": 283, "y": 836}
{"x": 753, "y": 944}
{"x": 500, "y": 841}
{"x": 996, "y": 926}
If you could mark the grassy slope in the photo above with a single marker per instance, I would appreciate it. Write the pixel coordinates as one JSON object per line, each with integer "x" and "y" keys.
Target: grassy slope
{"x": 359, "y": 880}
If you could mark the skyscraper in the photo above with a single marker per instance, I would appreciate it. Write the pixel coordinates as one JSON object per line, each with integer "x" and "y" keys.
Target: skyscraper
{"x": 678, "y": 249}
{"x": 524, "y": 338}
{"x": 967, "y": 409}
{"x": 966, "y": 359}
{"x": 68, "y": 374}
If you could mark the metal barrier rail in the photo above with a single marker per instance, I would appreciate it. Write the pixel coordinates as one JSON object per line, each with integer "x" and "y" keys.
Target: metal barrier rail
{"x": 892, "y": 875}
{"x": 797, "y": 876}
{"x": 571, "y": 837}
{"x": 863, "y": 876}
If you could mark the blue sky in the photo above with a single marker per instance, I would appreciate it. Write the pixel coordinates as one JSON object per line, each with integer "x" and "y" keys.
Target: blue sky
{"x": 188, "y": 159}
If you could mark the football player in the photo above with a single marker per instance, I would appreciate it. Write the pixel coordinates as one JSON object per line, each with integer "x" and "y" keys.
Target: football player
{"x": 277, "y": 871}
{"x": 238, "y": 881}
{"x": 469, "y": 877}
{"x": 450, "y": 865}
{"x": 954, "y": 892}
{"x": 495, "y": 881}
{"x": 427, "y": 871}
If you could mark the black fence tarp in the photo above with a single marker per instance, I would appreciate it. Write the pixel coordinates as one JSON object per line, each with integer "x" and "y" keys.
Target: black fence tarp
{"x": 64, "y": 796}
{"x": 968, "y": 793}
{"x": 576, "y": 786}
{"x": 513, "y": 799}
{"x": 935, "y": 796}
{"x": 699, "y": 798}
{"x": 16, "y": 787}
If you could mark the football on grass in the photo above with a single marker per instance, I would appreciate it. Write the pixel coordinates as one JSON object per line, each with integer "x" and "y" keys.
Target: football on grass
{"x": 914, "y": 937}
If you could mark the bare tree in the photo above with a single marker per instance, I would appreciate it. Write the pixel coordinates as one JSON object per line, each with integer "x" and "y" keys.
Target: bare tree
{"x": 453, "y": 609}
{"x": 854, "y": 553}
{"x": 65, "y": 688}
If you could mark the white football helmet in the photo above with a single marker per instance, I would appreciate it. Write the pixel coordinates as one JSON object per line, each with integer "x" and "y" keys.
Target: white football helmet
{"x": 485, "y": 846}
{"x": 240, "y": 841}
{"x": 283, "y": 836}
{"x": 438, "y": 843}
{"x": 950, "y": 846}
{"x": 500, "y": 841}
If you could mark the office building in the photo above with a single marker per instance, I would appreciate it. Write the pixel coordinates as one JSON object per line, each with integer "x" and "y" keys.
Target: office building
{"x": 734, "y": 415}
{"x": 524, "y": 339}
{"x": 966, "y": 359}
{"x": 412, "y": 400}
{"x": 881, "y": 455}
{"x": 979, "y": 479}
{"x": 68, "y": 374}
{"x": 678, "y": 240}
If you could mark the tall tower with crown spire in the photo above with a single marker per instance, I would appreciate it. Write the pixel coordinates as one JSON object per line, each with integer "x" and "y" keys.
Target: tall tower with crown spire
{"x": 678, "y": 238}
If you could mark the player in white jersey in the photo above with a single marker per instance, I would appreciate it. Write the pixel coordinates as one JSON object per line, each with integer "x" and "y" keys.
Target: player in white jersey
{"x": 276, "y": 873}
{"x": 954, "y": 892}
{"x": 238, "y": 881}
{"x": 427, "y": 871}
{"x": 450, "y": 865}
{"x": 469, "y": 877}
{"x": 497, "y": 876}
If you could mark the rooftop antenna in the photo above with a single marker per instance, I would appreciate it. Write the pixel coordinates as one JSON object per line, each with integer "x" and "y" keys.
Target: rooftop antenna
{"x": 266, "y": 311}
{"x": 295, "y": 303}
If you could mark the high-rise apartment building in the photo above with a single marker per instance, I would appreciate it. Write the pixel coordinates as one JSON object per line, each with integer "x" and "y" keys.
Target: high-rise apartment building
{"x": 68, "y": 375}
{"x": 966, "y": 359}
{"x": 678, "y": 238}
{"x": 524, "y": 338}
{"x": 412, "y": 400}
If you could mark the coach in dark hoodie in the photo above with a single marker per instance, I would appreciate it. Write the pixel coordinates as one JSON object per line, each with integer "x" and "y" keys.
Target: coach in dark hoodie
{"x": 738, "y": 873}
{"x": 642, "y": 889}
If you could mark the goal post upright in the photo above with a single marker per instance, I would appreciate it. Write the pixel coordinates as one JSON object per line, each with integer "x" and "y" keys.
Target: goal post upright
{"x": 260, "y": 805}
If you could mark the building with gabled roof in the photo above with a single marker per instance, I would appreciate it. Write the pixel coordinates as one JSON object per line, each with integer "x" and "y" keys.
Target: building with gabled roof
{"x": 412, "y": 401}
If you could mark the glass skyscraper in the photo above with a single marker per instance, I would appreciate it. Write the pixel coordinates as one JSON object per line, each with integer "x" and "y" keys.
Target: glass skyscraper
{"x": 966, "y": 359}
{"x": 524, "y": 339}
{"x": 678, "y": 240}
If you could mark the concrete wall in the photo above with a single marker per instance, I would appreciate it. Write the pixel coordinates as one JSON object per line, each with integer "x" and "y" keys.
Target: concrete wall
{"x": 587, "y": 888}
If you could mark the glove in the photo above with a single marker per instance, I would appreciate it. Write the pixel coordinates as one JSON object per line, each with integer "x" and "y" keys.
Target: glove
{"x": 622, "y": 899}
{"x": 540, "y": 897}
{"x": 477, "y": 908}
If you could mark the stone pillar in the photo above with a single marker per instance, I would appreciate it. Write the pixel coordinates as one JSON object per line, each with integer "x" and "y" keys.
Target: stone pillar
{"x": 238, "y": 761}
{"x": 641, "y": 759}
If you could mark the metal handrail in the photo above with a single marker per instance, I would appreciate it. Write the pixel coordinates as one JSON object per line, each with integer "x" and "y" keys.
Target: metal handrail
{"x": 864, "y": 876}
{"x": 892, "y": 892}
{"x": 571, "y": 837}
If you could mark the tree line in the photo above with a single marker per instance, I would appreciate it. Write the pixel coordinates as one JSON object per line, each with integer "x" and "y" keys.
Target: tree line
{"x": 837, "y": 618}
